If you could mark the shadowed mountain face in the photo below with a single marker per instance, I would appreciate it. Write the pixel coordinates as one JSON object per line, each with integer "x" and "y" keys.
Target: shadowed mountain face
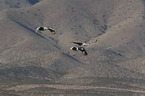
{"x": 32, "y": 2}
{"x": 5, "y": 4}
{"x": 114, "y": 29}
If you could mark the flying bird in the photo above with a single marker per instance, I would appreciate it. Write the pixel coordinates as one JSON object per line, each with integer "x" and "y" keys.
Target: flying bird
{"x": 82, "y": 49}
{"x": 45, "y": 28}
{"x": 81, "y": 44}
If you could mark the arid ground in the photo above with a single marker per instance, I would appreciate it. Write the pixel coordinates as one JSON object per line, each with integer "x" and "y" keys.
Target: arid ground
{"x": 41, "y": 64}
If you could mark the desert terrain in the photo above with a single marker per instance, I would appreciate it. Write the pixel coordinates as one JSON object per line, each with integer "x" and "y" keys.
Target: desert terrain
{"x": 41, "y": 64}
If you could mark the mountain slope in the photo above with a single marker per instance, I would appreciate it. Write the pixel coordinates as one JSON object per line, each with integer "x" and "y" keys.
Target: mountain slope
{"x": 115, "y": 30}
{"x": 21, "y": 48}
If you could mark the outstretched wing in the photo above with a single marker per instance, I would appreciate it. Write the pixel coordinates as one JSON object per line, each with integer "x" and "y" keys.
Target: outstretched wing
{"x": 83, "y": 51}
{"x": 37, "y": 29}
{"x": 40, "y": 29}
{"x": 51, "y": 30}
{"x": 78, "y": 43}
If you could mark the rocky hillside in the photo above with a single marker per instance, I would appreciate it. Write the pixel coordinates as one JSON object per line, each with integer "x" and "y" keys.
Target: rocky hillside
{"x": 114, "y": 29}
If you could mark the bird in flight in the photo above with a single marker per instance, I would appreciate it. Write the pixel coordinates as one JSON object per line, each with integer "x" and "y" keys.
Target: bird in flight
{"x": 82, "y": 49}
{"x": 81, "y": 44}
{"x": 45, "y": 28}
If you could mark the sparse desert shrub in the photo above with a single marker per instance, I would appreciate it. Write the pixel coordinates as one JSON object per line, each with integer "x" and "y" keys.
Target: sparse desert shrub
{"x": 80, "y": 26}
{"x": 96, "y": 22}
{"x": 104, "y": 27}
{"x": 103, "y": 31}
{"x": 143, "y": 17}
{"x": 35, "y": 14}
{"x": 99, "y": 34}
